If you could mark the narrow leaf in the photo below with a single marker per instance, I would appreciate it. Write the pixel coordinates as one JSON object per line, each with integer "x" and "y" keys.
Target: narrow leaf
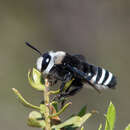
{"x": 110, "y": 117}
{"x": 61, "y": 110}
{"x": 68, "y": 84}
{"x": 82, "y": 128}
{"x": 55, "y": 105}
{"x": 100, "y": 127}
{"x": 23, "y": 101}
{"x": 74, "y": 122}
{"x": 82, "y": 111}
{"x": 85, "y": 117}
{"x": 128, "y": 127}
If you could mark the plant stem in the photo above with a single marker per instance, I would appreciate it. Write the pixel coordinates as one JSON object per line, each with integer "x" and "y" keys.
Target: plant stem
{"x": 47, "y": 103}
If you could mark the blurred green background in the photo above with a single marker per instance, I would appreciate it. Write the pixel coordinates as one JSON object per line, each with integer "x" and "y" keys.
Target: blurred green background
{"x": 100, "y": 30}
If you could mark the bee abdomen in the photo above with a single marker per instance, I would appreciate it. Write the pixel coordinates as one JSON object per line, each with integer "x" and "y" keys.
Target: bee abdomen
{"x": 102, "y": 78}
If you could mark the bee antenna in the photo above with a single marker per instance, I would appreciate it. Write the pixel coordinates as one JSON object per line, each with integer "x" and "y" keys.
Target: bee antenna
{"x": 28, "y": 44}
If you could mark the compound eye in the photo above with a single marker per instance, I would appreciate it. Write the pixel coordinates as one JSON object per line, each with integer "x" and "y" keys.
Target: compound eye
{"x": 47, "y": 60}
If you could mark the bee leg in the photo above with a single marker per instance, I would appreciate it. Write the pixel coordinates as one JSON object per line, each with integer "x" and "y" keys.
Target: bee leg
{"x": 62, "y": 97}
{"x": 67, "y": 78}
{"x": 58, "y": 97}
{"x": 71, "y": 92}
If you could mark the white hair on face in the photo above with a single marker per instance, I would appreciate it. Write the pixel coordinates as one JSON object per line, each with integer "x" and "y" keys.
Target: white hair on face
{"x": 55, "y": 56}
{"x": 39, "y": 63}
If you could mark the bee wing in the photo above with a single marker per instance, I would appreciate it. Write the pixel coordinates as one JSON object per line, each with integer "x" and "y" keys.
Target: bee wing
{"x": 83, "y": 75}
{"x": 90, "y": 85}
{"x": 93, "y": 87}
{"x": 98, "y": 78}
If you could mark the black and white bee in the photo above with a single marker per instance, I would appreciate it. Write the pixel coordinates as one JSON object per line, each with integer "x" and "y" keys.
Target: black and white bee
{"x": 65, "y": 67}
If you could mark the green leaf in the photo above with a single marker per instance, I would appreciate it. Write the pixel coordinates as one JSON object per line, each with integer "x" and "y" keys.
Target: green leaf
{"x": 61, "y": 110}
{"x": 82, "y": 111}
{"x": 55, "y": 105}
{"x": 128, "y": 127}
{"x": 42, "y": 109}
{"x": 35, "y": 119}
{"x": 100, "y": 127}
{"x": 69, "y": 128}
{"x": 68, "y": 84}
{"x": 74, "y": 122}
{"x": 110, "y": 117}
{"x": 82, "y": 128}
{"x": 86, "y": 117}
{"x": 23, "y": 101}
{"x": 36, "y": 80}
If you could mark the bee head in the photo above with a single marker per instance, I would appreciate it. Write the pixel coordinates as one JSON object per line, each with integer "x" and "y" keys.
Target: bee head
{"x": 47, "y": 60}
{"x": 43, "y": 62}
{"x": 44, "y": 59}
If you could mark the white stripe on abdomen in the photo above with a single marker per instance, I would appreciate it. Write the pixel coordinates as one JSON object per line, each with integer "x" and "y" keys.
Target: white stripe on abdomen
{"x": 102, "y": 76}
{"x": 93, "y": 80}
{"x": 108, "y": 79}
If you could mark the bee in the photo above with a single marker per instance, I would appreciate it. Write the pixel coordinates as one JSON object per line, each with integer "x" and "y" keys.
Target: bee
{"x": 65, "y": 67}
